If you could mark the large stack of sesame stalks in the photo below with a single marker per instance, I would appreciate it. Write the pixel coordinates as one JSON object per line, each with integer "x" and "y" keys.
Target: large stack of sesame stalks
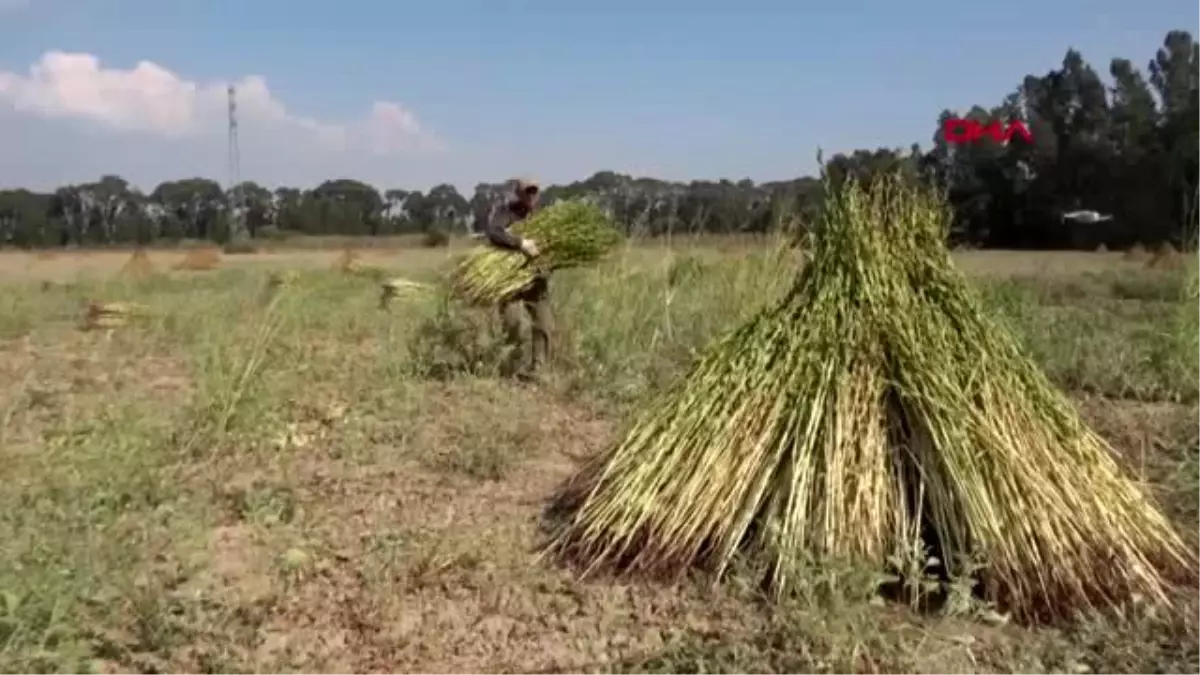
{"x": 877, "y": 408}
{"x": 349, "y": 262}
{"x": 138, "y": 267}
{"x": 568, "y": 234}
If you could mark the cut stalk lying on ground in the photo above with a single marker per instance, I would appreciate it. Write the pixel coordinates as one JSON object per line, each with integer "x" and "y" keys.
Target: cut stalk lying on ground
{"x": 877, "y": 409}
{"x": 568, "y": 234}
{"x": 110, "y": 314}
{"x": 397, "y": 287}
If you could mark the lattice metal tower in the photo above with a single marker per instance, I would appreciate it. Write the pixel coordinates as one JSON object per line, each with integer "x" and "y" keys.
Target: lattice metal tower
{"x": 233, "y": 192}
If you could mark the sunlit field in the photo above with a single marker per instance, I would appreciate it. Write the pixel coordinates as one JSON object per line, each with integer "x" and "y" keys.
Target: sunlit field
{"x": 266, "y": 472}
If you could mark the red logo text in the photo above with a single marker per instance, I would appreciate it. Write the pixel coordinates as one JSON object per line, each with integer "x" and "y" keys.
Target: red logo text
{"x": 956, "y": 130}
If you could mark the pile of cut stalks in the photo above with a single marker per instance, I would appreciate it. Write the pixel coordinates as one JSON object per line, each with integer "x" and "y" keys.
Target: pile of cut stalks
{"x": 876, "y": 409}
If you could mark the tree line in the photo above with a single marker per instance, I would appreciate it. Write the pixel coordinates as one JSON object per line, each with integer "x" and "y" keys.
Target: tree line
{"x": 1127, "y": 149}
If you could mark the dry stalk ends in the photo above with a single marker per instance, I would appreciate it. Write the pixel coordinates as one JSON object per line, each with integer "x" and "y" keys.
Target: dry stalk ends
{"x": 568, "y": 234}
{"x": 110, "y": 314}
{"x": 876, "y": 410}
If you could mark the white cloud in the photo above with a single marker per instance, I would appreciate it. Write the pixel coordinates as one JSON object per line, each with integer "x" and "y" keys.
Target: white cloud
{"x": 74, "y": 99}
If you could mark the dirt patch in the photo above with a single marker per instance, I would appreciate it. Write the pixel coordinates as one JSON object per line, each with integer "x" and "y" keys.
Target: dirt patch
{"x": 405, "y": 566}
{"x": 1160, "y": 444}
{"x": 77, "y": 378}
{"x": 1153, "y": 438}
{"x": 237, "y": 565}
{"x": 348, "y": 558}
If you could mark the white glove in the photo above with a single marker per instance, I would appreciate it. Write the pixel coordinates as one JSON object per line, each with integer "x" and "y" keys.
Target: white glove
{"x": 529, "y": 248}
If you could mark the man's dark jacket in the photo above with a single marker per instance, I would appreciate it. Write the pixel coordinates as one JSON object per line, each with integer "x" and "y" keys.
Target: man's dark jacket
{"x": 497, "y": 227}
{"x": 498, "y": 232}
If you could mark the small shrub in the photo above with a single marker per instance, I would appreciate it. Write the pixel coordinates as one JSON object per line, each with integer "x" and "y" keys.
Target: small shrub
{"x": 1148, "y": 288}
{"x": 241, "y": 247}
{"x": 1137, "y": 253}
{"x": 436, "y": 237}
{"x": 684, "y": 270}
{"x": 457, "y": 340}
{"x": 271, "y": 233}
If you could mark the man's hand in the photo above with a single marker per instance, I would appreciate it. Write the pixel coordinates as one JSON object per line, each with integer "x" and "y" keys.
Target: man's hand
{"x": 529, "y": 248}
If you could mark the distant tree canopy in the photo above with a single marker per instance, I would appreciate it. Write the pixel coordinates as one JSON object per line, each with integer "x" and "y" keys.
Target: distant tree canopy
{"x": 1127, "y": 148}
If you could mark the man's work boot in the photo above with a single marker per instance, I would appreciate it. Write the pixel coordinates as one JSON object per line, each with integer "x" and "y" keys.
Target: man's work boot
{"x": 531, "y": 377}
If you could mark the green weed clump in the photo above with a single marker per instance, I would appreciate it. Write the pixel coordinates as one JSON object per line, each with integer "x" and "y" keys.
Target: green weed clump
{"x": 568, "y": 234}
{"x": 875, "y": 411}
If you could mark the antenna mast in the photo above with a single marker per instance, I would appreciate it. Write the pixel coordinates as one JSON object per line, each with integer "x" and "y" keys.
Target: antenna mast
{"x": 234, "y": 190}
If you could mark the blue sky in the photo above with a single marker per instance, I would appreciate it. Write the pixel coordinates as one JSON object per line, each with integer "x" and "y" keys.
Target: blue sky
{"x": 680, "y": 90}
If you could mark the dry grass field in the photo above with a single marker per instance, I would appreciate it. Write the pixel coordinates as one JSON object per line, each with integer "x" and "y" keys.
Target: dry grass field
{"x": 249, "y": 477}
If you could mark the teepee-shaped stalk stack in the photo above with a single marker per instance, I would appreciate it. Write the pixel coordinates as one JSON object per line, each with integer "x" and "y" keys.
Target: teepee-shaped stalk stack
{"x": 876, "y": 407}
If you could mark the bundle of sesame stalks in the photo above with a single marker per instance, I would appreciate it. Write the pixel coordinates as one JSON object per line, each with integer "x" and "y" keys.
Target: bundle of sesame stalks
{"x": 875, "y": 411}
{"x": 568, "y": 234}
